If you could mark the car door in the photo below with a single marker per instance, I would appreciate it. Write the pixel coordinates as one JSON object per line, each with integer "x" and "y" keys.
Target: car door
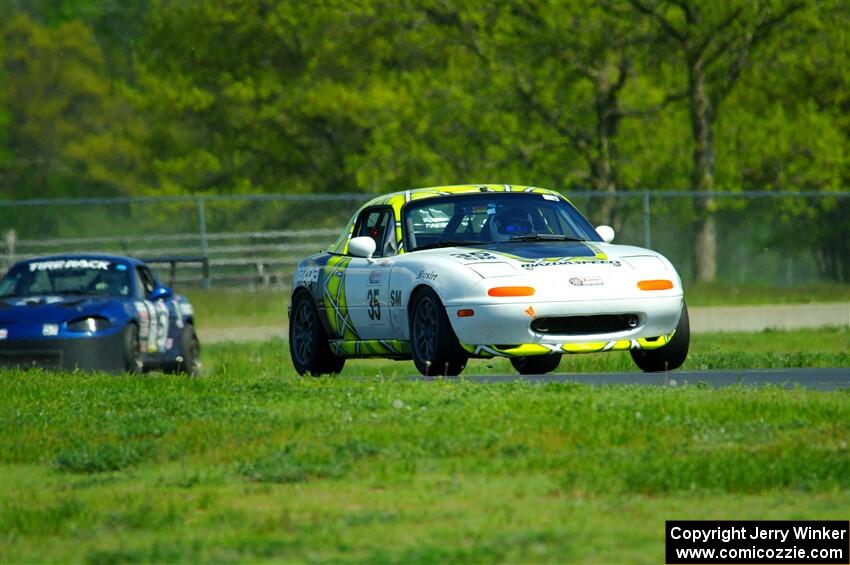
{"x": 367, "y": 281}
{"x": 155, "y": 329}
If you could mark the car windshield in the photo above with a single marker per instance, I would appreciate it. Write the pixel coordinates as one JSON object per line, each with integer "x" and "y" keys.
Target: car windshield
{"x": 66, "y": 276}
{"x": 493, "y": 217}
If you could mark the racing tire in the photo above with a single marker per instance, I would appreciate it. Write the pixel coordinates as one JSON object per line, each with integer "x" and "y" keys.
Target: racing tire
{"x": 308, "y": 341}
{"x": 536, "y": 364}
{"x": 132, "y": 351}
{"x": 190, "y": 364}
{"x": 435, "y": 347}
{"x": 672, "y": 355}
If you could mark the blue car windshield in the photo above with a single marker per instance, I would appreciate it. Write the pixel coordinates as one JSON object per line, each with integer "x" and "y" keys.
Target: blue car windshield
{"x": 66, "y": 276}
{"x": 493, "y": 217}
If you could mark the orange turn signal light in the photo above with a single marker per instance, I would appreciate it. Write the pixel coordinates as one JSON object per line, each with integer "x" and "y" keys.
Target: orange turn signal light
{"x": 511, "y": 291}
{"x": 465, "y": 313}
{"x": 656, "y": 284}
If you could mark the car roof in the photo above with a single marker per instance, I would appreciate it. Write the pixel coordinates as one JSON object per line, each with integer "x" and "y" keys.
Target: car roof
{"x": 398, "y": 199}
{"x": 72, "y": 256}
{"x": 395, "y": 199}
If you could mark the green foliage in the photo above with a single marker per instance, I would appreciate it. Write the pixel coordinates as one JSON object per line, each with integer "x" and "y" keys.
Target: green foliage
{"x": 66, "y": 136}
{"x": 108, "y": 97}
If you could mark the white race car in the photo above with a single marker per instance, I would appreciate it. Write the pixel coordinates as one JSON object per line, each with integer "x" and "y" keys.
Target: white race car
{"x": 443, "y": 274}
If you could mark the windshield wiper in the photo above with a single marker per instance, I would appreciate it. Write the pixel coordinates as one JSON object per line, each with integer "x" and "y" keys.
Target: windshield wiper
{"x": 447, "y": 243}
{"x": 545, "y": 237}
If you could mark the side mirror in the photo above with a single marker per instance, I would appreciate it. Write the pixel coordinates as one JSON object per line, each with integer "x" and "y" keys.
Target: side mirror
{"x": 363, "y": 246}
{"x": 606, "y": 233}
{"x": 161, "y": 293}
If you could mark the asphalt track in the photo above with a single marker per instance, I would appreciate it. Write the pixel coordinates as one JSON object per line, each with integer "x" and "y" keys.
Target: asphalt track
{"x": 818, "y": 379}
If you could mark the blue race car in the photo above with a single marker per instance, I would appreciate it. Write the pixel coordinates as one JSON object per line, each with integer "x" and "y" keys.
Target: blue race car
{"x": 94, "y": 312}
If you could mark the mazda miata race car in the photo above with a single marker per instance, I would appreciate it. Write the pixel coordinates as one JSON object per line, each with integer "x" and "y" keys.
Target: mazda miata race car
{"x": 441, "y": 275}
{"x": 94, "y": 312}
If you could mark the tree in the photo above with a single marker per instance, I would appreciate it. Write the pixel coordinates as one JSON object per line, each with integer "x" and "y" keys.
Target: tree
{"x": 787, "y": 127}
{"x": 257, "y": 97}
{"x": 715, "y": 41}
{"x": 62, "y": 135}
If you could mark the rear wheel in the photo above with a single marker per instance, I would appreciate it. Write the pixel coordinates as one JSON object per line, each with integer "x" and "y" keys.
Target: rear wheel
{"x": 190, "y": 352}
{"x": 132, "y": 351}
{"x": 536, "y": 365}
{"x": 436, "y": 350}
{"x": 672, "y": 355}
{"x": 308, "y": 342}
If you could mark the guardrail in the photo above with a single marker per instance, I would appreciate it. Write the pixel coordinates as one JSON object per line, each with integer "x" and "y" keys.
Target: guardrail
{"x": 243, "y": 244}
{"x": 261, "y": 259}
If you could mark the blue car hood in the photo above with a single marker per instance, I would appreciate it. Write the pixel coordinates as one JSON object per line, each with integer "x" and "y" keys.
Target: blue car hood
{"x": 58, "y": 309}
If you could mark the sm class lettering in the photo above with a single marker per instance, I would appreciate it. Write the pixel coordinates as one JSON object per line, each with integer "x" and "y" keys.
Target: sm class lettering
{"x": 395, "y": 298}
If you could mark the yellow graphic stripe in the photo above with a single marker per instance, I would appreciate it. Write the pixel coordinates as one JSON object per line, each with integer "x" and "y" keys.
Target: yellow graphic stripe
{"x": 532, "y": 349}
{"x": 336, "y": 303}
{"x": 370, "y": 348}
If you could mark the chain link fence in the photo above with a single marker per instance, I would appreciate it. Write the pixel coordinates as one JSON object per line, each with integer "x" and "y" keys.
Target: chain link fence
{"x": 251, "y": 242}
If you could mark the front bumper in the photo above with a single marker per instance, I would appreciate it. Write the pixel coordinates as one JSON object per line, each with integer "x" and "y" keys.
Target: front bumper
{"x": 91, "y": 353}
{"x": 509, "y": 325}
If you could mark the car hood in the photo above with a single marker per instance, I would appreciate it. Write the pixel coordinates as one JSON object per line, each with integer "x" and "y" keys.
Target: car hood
{"x": 54, "y": 308}
{"x": 549, "y": 265}
{"x": 533, "y": 255}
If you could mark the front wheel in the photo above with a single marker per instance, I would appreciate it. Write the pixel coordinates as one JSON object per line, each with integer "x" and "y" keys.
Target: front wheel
{"x": 308, "y": 342}
{"x": 536, "y": 365}
{"x": 436, "y": 350}
{"x": 132, "y": 350}
{"x": 672, "y": 355}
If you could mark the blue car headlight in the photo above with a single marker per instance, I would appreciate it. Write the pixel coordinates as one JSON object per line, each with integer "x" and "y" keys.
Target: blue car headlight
{"x": 89, "y": 324}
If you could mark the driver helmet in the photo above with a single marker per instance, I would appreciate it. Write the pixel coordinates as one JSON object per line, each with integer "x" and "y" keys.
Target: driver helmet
{"x": 510, "y": 222}
{"x": 110, "y": 282}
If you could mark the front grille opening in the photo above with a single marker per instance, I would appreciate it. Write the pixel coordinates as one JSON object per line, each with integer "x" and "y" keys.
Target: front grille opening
{"x": 27, "y": 359}
{"x": 586, "y": 325}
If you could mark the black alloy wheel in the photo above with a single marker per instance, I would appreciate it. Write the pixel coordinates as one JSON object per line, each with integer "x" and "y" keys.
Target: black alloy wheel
{"x": 436, "y": 350}
{"x": 672, "y": 355}
{"x": 536, "y": 365}
{"x": 308, "y": 341}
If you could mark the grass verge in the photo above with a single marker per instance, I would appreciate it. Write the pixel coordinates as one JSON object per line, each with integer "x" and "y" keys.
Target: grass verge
{"x": 252, "y": 463}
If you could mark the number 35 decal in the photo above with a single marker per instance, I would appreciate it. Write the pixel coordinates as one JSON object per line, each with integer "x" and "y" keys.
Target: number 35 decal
{"x": 373, "y": 299}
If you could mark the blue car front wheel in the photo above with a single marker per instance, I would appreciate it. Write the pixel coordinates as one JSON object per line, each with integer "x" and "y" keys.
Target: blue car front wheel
{"x": 132, "y": 350}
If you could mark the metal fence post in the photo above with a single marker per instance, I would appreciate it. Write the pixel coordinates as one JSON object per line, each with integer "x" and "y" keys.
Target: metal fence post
{"x": 647, "y": 240}
{"x": 11, "y": 238}
{"x": 202, "y": 231}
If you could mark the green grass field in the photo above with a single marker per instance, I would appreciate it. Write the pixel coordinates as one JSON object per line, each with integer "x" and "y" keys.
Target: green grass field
{"x": 222, "y": 308}
{"x": 251, "y": 463}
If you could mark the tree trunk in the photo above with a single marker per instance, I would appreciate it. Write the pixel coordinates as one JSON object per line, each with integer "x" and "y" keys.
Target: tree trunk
{"x": 603, "y": 177}
{"x": 601, "y": 181}
{"x": 702, "y": 118}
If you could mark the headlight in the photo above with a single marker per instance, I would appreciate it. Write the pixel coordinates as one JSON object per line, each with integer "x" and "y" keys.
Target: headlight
{"x": 490, "y": 270}
{"x": 90, "y": 324}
